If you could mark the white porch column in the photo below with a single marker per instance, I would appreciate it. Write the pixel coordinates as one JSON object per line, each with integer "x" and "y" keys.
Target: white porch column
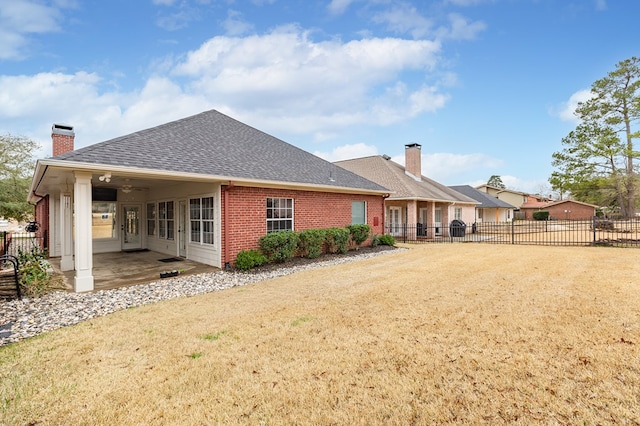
{"x": 83, "y": 247}
{"x": 66, "y": 233}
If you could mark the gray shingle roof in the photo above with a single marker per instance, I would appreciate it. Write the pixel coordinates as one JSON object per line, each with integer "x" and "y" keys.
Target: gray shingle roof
{"x": 211, "y": 143}
{"x": 392, "y": 175}
{"x": 486, "y": 200}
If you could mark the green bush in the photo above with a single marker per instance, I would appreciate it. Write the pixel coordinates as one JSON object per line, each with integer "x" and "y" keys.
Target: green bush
{"x": 359, "y": 233}
{"x": 279, "y": 246}
{"x": 541, "y": 215}
{"x": 311, "y": 241}
{"x": 337, "y": 240}
{"x": 383, "y": 240}
{"x": 248, "y": 259}
{"x": 36, "y": 277}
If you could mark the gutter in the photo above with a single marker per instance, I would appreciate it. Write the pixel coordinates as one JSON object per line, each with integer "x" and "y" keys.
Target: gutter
{"x": 173, "y": 175}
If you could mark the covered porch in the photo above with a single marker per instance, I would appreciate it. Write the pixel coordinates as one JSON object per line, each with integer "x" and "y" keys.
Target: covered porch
{"x": 127, "y": 268}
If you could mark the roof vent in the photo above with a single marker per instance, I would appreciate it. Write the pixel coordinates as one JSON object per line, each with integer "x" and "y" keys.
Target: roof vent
{"x": 386, "y": 157}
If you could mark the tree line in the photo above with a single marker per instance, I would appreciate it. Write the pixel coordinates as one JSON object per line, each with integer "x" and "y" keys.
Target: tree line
{"x": 598, "y": 161}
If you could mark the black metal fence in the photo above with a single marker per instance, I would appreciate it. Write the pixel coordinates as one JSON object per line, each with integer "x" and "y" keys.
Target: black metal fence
{"x": 593, "y": 232}
{"x": 13, "y": 243}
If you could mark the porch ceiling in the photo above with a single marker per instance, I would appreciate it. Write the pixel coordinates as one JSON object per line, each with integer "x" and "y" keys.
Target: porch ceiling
{"x": 61, "y": 180}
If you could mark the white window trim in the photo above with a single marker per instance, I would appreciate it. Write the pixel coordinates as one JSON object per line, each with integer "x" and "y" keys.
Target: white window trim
{"x": 201, "y": 220}
{"x": 293, "y": 211}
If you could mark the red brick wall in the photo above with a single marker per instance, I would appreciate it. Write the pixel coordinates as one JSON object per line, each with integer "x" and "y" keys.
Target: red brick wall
{"x": 61, "y": 144}
{"x": 247, "y": 217}
{"x": 575, "y": 212}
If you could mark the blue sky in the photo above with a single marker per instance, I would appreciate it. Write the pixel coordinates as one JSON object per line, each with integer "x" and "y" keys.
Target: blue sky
{"x": 487, "y": 87}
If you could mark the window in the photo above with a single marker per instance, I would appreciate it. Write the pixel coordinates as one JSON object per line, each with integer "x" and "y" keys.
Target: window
{"x": 358, "y": 212}
{"x": 103, "y": 219}
{"x": 165, "y": 220}
{"x": 201, "y": 216}
{"x": 457, "y": 213}
{"x": 151, "y": 219}
{"x": 480, "y": 214}
{"x": 279, "y": 214}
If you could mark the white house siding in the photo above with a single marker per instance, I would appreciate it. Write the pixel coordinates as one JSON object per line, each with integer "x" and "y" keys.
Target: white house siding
{"x": 203, "y": 253}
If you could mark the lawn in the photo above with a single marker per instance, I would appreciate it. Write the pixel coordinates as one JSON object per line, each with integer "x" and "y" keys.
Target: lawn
{"x": 447, "y": 333}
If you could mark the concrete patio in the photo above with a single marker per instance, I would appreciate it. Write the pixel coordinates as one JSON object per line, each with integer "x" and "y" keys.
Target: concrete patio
{"x": 120, "y": 269}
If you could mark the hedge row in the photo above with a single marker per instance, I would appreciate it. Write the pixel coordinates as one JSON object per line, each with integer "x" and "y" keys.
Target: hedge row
{"x": 311, "y": 243}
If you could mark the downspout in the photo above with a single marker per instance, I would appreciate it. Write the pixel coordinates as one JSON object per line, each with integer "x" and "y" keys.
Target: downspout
{"x": 384, "y": 212}
{"x": 225, "y": 192}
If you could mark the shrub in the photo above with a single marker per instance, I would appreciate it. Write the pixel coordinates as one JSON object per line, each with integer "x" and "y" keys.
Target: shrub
{"x": 248, "y": 259}
{"x": 279, "y": 246}
{"x": 359, "y": 233}
{"x": 383, "y": 240}
{"x": 36, "y": 277}
{"x": 337, "y": 240}
{"x": 311, "y": 241}
{"x": 541, "y": 215}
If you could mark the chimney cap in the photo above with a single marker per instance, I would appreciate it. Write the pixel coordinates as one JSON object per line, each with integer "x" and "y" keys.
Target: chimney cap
{"x": 62, "y": 129}
{"x": 413, "y": 145}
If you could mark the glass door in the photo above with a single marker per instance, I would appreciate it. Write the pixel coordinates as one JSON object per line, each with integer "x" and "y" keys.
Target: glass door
{"x": 131, "y": 237}
{"x": 422, "y": 223}
{"x": 182, "y": 228}
{"x": 437, "y": 214}
{"x": 395, "y": 221}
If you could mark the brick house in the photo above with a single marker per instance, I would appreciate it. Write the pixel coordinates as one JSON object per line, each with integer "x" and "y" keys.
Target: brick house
{"x": 559, "y": 210}
{"x": 422, "y": 206}
{"x": 204, "y": 188}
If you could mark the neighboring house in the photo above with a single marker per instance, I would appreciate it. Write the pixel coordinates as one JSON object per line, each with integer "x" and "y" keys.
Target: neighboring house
{"x": 425, "y": 206}
{"x": 515, "y": 198}
{"x": 490, "y": 209}
{"x": 559, "y": 210}
{"x": 204, "y": 188}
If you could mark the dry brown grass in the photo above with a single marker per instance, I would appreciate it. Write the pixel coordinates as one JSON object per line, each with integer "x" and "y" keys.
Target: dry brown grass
{"x": 458, "y": 333}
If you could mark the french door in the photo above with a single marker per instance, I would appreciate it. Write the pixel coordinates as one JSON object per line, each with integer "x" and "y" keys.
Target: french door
{"x": 131, "y": 235}
{"x": 395, "y": 221}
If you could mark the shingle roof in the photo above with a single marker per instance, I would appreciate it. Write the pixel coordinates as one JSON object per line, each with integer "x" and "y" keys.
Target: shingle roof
{"x": 211, "y": 143}
{"x": 392, "y": 175}
{"x": 486, "y": 200}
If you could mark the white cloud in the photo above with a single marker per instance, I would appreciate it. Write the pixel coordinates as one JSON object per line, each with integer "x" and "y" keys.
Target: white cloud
{"x": 403, "y": 19}
{"x": 465, "y": 3}
{"x": 19, "y": 19}
{"x": 338, "y": 7}
{"x": 282, "y": 82}
{"x": 347, "y": 152}
{"x": 566, "y": 110}
{"x": 601, "y": 4}
{"x": 75, "y": 99}
{"x": 461, "y": 29}
{"x": 300, "y": 85}
{"x": 234, "y": 25}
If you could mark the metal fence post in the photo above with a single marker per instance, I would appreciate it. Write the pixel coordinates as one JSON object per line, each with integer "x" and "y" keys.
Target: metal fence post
{"x": 513, "y": 231}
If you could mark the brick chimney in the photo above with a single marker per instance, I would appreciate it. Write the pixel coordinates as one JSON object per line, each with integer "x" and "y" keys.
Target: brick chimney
{"x": 413, "y": 160}
{"x": 62, "y": 136}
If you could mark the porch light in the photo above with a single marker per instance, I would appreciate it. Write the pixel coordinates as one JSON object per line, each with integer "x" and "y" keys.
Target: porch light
{"x": 105, "y": 178}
